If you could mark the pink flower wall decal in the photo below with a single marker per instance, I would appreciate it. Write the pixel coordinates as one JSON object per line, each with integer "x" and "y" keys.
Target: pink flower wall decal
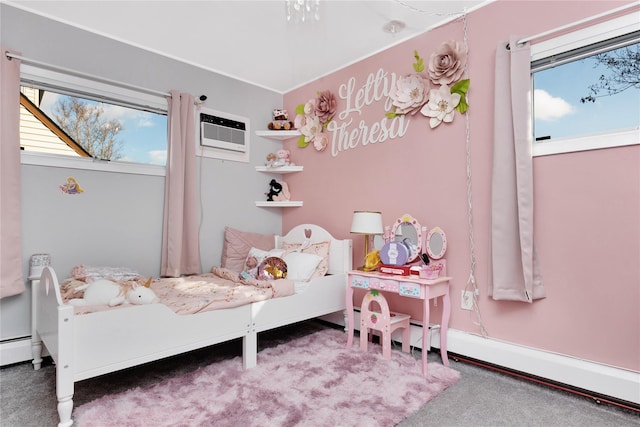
{"x": 437, "y": 92}
{"x": 312, "y": 118}
{"x": 412, "y": 92}
{"x": 447, "y": 64}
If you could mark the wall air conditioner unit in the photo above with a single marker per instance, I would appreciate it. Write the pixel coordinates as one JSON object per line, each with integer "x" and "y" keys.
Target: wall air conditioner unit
{"x": 224, "y": 135}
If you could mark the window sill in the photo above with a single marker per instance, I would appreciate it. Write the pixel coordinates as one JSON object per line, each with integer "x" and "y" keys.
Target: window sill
{"x": 585, "y": 143}
{"x": 59, "y": 161}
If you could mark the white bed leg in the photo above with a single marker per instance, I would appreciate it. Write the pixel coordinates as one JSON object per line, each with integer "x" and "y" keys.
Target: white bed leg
{"x": 65, "y": 406}
{"x": 36, "y": 341}
{"x": 346, "y": 320}
{"x": 36, "y": 351}
{"x": 250, "y": 349}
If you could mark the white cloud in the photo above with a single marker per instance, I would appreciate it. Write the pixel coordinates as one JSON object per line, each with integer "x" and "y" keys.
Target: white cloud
{"x": 145, "y": 122}
{"x": 550, "y": 108}
{"x": 158, "y": 157}
{"x": 117, "y": 112}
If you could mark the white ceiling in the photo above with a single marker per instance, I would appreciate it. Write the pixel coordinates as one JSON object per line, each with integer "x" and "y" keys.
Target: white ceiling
{"x": 252, "y": 40}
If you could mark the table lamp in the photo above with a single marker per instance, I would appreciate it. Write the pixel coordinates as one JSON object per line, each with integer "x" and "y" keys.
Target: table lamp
{"x": 367, "y": 223}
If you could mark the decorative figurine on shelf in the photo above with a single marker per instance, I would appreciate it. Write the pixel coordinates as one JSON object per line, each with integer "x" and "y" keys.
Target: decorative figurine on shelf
{"x": 278, "y": 159}
{"x": 285, "y": 194}
{"x": 278, "y": 192}
{"x": 283, "y": 158}
{"x": 280, "y": 120}
{"x": 271, "y": 157}
{"x": 275, "y": 188}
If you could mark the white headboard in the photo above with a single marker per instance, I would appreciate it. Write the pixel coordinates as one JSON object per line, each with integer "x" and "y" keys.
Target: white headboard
{"x": 340, "y": 251}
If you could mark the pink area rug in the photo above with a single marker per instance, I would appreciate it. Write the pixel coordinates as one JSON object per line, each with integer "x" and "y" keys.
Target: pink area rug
{"x": 310, "y": 381}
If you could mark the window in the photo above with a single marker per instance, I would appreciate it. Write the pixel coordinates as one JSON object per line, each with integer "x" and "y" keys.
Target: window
{"x": 586, "y": 88}
{"x": 69, "y": 121}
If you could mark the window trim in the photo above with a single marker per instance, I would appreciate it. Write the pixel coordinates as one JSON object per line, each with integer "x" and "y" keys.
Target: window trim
{"x": 585, "y": 143}
{"x": 612, "y": 28}
{"x": 70, "y": 162}
{"x": 74, "y": 85}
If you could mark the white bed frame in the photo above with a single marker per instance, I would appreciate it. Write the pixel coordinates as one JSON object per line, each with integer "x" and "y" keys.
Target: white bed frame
{"x": 94, "y": 344}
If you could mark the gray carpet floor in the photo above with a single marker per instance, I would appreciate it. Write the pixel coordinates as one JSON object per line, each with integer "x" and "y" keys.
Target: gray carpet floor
{"x": 482, "y": 397}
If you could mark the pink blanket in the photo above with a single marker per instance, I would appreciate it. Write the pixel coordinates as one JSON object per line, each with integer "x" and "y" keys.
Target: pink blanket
{"x": 220, "y": 289}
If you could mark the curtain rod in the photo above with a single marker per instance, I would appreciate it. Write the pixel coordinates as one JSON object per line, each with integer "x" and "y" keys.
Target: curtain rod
{"x": 580, "y": 22}
{"x": 86, "y": 76}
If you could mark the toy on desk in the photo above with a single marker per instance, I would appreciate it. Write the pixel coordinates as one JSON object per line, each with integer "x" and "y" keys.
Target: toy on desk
{"x": 431, "y": 271}
{"x": 280, "y": 120}
{"x": 394, "y": 253}
{"x": 372, "y": 260}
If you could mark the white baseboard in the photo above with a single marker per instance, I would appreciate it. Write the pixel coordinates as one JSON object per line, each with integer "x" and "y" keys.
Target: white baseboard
{"x": 596, "y": 377}
{"x": 15, "y": 351}
{"x": 599, "y": 378}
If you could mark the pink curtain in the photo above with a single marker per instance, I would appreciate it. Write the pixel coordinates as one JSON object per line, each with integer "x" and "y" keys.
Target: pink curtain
{"x": 514, "y": 273}
{"x": 11, "y": 280}
{"x": 180, "y": 246}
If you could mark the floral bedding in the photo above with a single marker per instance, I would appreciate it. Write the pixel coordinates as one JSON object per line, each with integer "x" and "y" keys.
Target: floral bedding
{"x": 219, "y": 289}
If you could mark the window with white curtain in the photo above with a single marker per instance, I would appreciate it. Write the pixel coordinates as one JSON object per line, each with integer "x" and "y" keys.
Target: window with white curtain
{"x": 69, "y": 121}
{"x": 586, "y": 88}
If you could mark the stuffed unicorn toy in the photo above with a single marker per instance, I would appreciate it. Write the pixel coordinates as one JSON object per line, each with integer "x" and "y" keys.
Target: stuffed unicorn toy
{"x": 106, "y": 292}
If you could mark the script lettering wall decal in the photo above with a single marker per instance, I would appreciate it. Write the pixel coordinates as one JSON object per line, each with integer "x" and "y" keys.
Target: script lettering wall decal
{"x": 347, "y": 134}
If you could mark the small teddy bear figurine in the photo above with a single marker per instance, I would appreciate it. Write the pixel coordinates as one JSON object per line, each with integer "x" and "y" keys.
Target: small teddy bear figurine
{"x": 280, "y": 120}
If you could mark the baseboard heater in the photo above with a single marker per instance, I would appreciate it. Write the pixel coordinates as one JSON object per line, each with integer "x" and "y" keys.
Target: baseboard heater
{"x": 596, "y": 397}
{"x": 15, "y": 350}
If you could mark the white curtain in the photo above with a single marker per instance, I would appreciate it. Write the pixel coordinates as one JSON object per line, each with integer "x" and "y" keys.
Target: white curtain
{"x": 11, "y": 279}
{"x": 180, "y": 246}
{"x": 514, "y": 274}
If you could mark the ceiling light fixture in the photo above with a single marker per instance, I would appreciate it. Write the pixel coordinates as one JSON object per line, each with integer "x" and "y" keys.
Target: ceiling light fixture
{"x": 394, "y": 26}
{"x": 302, "y": 10}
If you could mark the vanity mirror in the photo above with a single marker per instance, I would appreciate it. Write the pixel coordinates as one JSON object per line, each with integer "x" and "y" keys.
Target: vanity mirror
{"x": 436, "y": 244}
{"x": 407, "y": 229}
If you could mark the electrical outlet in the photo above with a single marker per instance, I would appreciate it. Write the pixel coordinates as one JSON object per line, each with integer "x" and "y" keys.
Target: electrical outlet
{"x": 466, "y": 301}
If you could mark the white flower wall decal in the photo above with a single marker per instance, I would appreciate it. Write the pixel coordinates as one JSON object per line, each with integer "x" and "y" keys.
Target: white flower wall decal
{"x": 441, "y": 106}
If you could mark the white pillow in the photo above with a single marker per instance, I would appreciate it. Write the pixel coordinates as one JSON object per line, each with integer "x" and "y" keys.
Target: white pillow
{"x": 301, "y": 266}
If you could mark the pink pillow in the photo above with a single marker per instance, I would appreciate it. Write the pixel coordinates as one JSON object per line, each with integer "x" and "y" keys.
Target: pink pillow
{"x": 321, "y": 249}
{"x": 237, "y": 245}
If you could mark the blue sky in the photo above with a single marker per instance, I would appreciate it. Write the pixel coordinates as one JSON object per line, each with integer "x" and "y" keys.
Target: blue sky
{"x": 559, "y": 112}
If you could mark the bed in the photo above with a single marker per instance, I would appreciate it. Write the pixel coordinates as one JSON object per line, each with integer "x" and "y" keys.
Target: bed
{"x": 89, "y": 345}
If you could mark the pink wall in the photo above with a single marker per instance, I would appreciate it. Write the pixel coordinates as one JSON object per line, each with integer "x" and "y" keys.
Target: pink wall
{"x": 587, "y": 204}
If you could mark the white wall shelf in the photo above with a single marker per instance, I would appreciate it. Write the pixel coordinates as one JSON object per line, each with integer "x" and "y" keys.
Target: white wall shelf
{"x": 281, "y": 169}
{"x": 288, "y": 204}
{"x": 278, "y": 134}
